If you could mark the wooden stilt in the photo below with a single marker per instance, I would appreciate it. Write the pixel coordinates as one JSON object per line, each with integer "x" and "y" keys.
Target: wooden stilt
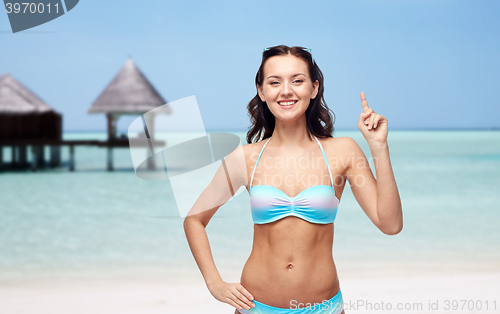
{"x": 112, "y": 119}
{"x": 149, "y": 119}
{"x": 55, "y": 156}
{"x": 71, "y": 158}
{"x": 34, "y": 157}
{"x": 110, "y": 159}
{"x": 14, "y": 159}
{"x": 22, "y": 155}
{"x": 41, "y": 156}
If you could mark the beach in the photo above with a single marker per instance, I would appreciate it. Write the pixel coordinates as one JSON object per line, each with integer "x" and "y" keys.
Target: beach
{"x": 93, "y": 241}
{"x": 425, "y": 293}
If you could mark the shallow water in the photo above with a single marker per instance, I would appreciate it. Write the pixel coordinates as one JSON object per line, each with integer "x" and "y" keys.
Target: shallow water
{"x": 94, "y": 221}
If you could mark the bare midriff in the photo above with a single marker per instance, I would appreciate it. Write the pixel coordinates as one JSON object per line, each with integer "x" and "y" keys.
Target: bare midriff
{"x": 291, "y": 259}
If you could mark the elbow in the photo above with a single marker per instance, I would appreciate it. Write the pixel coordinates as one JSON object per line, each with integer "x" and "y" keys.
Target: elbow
{"x": 191, "y": 221}
{"x": 393, "y": 230}
{"x": 187, "y": 224}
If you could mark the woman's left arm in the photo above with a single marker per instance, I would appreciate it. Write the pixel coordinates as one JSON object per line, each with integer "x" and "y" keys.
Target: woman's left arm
{"x": 378, "y": 198}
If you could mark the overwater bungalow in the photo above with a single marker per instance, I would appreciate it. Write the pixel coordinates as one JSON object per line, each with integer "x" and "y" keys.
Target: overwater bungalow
{"x": 23, "y": 117}
{"x": 129, "y": 93}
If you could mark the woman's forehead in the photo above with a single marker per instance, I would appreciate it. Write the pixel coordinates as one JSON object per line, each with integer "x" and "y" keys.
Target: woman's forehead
{"x": 285, "y": 65}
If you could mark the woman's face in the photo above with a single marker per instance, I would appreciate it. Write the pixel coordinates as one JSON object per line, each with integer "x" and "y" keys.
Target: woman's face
{"x": 287, "y": 88}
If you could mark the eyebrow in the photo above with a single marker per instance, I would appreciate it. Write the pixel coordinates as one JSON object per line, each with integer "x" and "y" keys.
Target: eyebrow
{"x": 276, "y": 76}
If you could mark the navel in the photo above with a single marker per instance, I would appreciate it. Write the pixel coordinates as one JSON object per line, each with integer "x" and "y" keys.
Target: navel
{"x": 290, "y": 266}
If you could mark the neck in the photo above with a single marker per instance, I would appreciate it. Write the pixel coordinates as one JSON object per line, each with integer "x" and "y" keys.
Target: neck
{"x": 291, "y": 133}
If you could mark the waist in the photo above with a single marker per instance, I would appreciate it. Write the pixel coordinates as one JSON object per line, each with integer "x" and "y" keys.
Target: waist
{"x": 279, "y": 282}
{"x": 291, "y": 260}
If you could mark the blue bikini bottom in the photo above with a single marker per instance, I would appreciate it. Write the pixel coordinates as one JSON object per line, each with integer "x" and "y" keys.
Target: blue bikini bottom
{"x": 333, "y": 306}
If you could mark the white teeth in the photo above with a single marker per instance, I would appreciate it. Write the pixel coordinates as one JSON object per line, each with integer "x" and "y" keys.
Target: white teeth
{"x": 288, "y": 103}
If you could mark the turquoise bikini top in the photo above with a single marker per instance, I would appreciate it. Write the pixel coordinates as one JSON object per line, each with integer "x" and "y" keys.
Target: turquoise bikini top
{"x": 317, "y": 204}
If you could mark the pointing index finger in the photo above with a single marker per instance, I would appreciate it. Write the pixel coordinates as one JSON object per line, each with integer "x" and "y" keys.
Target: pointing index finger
{"x": 363, "y": 101}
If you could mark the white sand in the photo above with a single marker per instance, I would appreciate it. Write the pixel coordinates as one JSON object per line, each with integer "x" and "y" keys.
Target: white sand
{"x": 127, "y": 296}
{"x": 470, "y": 291}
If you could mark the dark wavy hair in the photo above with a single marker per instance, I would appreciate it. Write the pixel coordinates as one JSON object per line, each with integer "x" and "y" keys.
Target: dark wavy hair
{"x": 318, "y": 115}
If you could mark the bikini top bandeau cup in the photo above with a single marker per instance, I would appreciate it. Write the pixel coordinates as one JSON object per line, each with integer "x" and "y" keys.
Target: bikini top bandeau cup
{"x": 317, "y": 204}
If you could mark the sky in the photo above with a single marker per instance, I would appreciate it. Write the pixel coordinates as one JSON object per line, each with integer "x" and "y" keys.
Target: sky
{"x": 422, "y": 64}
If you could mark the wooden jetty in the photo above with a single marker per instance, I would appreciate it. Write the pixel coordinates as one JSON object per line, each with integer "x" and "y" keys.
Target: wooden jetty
{"x": 27, "y": 121}
{"x": 19, "y": 156}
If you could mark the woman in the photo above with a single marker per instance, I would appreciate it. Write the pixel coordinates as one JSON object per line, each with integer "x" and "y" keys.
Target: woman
{"x": 291, "y": 267}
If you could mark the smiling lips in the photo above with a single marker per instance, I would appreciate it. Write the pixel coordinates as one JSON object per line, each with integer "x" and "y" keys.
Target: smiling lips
{"x": 287, "y": 103}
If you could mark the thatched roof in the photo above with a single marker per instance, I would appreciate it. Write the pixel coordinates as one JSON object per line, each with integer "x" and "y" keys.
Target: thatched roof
{"x": 15, "y": 98}
{"x": 128, "y": 93}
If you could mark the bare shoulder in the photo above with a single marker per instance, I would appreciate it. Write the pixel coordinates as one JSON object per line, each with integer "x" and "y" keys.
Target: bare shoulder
{"x": 339, "y": 146}
{"x": 250, "y": 153}
{"x": 342, "y": 152}
{"x": 247, "y": 148}
{"x": 252, "y": 150}
{"x": 247, "y": 151}
{"x": 350, "y": 147}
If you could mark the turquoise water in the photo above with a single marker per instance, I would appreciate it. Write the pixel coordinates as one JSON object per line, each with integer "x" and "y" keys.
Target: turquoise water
{"x": 91, "y": 221}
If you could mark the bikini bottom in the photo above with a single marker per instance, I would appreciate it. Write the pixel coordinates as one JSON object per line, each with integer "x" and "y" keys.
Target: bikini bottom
{"x": 333, "y": 306}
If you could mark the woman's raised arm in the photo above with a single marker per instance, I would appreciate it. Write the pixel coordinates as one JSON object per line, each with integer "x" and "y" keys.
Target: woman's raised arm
{"x": 379, "y": 198}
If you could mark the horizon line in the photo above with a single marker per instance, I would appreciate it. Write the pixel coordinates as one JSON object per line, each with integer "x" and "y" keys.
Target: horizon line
{"x": 342, "y": 129}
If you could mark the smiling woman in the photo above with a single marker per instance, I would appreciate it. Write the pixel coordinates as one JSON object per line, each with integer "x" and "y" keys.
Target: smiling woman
{"x": 291, "y": 267}
{"x": 293, "y": 68}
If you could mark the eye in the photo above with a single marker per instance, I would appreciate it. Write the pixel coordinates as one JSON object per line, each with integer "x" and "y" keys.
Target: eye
{"x": 300, "y": 81}
{"x": 272, "y": 83}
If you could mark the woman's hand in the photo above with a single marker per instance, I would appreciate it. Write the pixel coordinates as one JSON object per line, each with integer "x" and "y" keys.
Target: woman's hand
{"x": 373, "y": 126}
{"x": 232, "y": 293}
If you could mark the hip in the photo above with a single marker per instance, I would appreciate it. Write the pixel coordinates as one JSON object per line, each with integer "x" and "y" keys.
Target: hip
{"x": 277, "y": 282}
{"x": 333, "y": 305}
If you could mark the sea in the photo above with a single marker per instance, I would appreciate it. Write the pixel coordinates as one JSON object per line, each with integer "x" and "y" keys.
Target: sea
{"x": 94, "y": 223}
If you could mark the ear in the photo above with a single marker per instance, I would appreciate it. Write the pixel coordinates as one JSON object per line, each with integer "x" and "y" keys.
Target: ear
{"x": 315, "y": 89}
{"x": 260, "y": 91}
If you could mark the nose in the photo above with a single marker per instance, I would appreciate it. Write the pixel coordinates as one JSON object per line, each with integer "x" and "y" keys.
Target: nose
{"x": 287, "y": 90}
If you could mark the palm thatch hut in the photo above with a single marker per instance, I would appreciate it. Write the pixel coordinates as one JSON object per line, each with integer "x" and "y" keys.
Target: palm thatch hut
{"x": 129, "y": 93}
{"x": 24, "y": 116}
